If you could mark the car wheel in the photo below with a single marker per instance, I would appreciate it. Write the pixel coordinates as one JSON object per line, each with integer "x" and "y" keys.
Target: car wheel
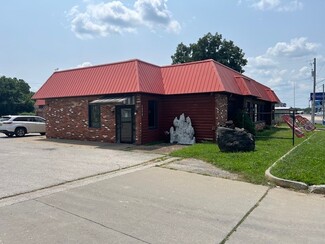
{"x": 20, "y": 132}
{"x": 42, "y": 134}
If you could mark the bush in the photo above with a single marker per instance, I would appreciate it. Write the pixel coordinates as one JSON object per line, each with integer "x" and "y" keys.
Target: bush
{"x": 242, "y": 120}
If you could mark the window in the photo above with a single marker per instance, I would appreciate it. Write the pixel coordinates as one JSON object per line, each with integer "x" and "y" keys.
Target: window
{"x": 22, "y": 119}
{"x": 94, "y": 116}
{"x": 152, "y": 114}
{"x": 38, "y": 119}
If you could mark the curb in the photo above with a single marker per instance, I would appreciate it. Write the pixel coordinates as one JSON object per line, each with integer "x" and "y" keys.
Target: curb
{"x": 297, "y": 185}
{"x": 285, "y": 183}
{"x": 319, "y": 189}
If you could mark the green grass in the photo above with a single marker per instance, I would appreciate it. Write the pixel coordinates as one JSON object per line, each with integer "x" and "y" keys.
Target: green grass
{"x": 306, "y": 163}
{"x": 250, "y": 165}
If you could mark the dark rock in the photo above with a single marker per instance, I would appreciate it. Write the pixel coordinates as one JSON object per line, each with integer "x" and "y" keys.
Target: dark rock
{"x": 235, "y": 140}
{"x": 230, "y": 124}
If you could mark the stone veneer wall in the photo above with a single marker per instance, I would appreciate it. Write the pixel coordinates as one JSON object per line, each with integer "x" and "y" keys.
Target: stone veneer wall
{"x": 138, "y": 119}
{"x": 221, "y": 109}
{"x": 67, "y": 118}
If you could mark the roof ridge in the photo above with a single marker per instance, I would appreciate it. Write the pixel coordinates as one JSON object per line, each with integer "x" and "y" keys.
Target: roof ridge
{"x": 102, "y": 65}
{"x": 187, "y": 63}
{"x": 214, "y": 68}
{"x": 240, "y": 79}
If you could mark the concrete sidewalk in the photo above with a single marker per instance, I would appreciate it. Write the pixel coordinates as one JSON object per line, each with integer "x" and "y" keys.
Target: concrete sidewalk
{"x": 152, "y": 206}
{"x": 284, "y": 217}
{"x": 158, "y": 205}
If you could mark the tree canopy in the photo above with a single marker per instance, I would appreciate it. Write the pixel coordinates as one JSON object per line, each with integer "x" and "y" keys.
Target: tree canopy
{"x": 211, "y": 47}
{"x": 15, "y": 96}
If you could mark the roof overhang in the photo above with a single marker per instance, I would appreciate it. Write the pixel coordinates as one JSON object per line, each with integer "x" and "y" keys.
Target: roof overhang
{"x": 110, "y": 101}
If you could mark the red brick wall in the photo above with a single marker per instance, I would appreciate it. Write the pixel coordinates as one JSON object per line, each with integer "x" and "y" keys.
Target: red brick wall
{"x": 138, "y": 120}
{"x": 67, "y": 118}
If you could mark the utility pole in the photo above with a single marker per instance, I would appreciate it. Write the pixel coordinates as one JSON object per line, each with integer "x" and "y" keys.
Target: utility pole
{"x": 314, "y": 90}
{"x": 323, "y": 104}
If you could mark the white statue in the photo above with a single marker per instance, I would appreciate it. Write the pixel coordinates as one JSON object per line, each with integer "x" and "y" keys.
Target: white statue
{"x": 183, "y": 132}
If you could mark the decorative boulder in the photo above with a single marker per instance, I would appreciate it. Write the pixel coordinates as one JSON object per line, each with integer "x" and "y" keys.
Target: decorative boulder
{"x": 235, "y": 140}
{"x": 183, "y": 132}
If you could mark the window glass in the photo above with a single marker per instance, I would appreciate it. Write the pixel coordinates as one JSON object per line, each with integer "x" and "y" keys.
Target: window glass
{"x": 38, "y": 119}
{"x": 4, "y": 118}
{"x": 94, "y": 116}
{"x": 152, "y": 114}
{"x": 21, "y": 119}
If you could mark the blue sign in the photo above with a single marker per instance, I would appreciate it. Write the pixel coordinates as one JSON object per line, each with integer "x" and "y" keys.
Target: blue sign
{"x": 319, "y": 96}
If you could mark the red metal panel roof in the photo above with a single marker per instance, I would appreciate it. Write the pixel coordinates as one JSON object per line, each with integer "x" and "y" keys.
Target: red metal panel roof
{"x": 196, "y": 77}
{"x": 150, "y": 78}
{"x": 103, "y": 79}
{"x": 138, "y": 76}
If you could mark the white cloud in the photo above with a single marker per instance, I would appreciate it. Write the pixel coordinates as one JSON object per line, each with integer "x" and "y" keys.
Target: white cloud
{"x": 275, "y": 5}
{"x": 84, "y": 64}
{"x": 114, "y": 17}
{"x": 302, "y": 73}
{"x": 285, "y": 67}
{"x": 261, "y": 62}
{"x": 297, "y": 47}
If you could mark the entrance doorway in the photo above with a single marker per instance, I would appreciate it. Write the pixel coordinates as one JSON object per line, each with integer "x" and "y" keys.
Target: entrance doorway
{"x": 125, "y": 124}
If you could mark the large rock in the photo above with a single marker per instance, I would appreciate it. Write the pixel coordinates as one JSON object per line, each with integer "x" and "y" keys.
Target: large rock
{"x": 235, "y": 140}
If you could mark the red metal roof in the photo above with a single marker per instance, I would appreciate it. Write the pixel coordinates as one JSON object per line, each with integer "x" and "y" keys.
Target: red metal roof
{"x": 187, "y": 78}
{"x": 137, "y": 76}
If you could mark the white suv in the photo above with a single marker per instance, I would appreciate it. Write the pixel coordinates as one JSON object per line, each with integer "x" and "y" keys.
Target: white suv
{"x": 20, "y": 125}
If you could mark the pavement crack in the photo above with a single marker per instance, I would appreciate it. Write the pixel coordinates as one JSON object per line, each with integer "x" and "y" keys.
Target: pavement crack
{"x": 245, "y": 216}
{"x": 92, "y": 221}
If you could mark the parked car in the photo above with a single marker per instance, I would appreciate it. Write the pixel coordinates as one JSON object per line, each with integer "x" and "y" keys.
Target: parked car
{"x": 20, "y": 125}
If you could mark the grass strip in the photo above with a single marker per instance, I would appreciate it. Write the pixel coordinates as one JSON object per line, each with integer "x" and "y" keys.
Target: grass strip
{"x": 250, "y": 165}
{"x": 307, "y": 164}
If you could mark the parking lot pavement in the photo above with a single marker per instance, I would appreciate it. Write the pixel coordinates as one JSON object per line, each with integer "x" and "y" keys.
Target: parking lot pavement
{"x": 33, "y": 162}
{"x": 155, "y": 205}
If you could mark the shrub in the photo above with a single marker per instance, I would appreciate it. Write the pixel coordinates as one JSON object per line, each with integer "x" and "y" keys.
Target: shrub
{"x": 242, "y": 120}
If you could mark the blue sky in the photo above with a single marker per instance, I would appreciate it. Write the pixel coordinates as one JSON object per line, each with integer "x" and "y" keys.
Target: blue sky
{"x": 280, "y": 38}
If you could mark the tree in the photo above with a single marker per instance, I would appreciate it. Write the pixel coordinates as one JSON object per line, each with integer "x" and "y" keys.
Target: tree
{"x": 15, "y": 96}
{"x": 211, "y": 47}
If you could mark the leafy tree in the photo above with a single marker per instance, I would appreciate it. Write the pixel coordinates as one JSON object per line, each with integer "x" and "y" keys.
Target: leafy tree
{"x": 15, "y": 96}
{"x": 211, "y": 47}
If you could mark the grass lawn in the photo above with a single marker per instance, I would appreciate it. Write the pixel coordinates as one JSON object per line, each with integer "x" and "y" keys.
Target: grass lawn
{"x": 250, "y": 165}
{"x": 306, "y": 163}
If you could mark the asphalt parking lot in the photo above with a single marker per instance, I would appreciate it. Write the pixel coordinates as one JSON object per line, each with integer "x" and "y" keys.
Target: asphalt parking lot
{"x": 33, "y": 162}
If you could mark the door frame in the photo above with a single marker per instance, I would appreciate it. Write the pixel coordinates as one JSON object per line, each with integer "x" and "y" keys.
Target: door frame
{"x": 118, "y": 123}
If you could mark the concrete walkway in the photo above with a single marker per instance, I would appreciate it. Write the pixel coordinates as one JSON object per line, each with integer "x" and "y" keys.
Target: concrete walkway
{"x": 158, "y": 205}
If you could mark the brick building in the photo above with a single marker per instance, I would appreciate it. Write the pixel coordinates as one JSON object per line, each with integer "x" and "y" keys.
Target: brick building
{"x": 136, "y": 102}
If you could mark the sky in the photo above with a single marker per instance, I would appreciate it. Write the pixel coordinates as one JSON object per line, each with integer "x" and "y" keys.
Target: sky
{"x": 280, "y": 38}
